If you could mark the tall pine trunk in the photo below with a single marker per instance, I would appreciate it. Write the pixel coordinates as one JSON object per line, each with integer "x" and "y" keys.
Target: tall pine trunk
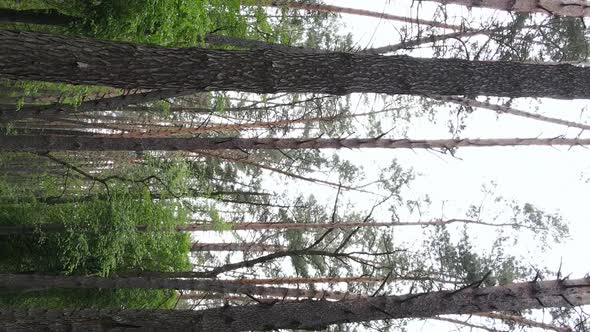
{"x": 576, "y": 8}
{"x": 308, "y": 314}
{"x": 45, "y": 143}
{"x": 25, "y": 282}
{"x": 58, "y": 111}
{"x": 53, "y": 58}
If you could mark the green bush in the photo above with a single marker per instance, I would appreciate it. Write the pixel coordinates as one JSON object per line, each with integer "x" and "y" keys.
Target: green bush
{"x": 100, "y": 239}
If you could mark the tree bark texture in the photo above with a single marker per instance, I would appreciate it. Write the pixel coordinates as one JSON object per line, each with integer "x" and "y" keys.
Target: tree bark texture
{"x": 24, "y": 282}
{"x": 307, "y": 314}
{"x": 45, "y": 143}
{"x": 53, "y": 58}
{"x": 36, "y": 16}
{"x": 572, "y": 8}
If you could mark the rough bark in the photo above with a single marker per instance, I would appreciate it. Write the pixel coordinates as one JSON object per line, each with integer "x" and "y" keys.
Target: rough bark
{"x": 308, "y": 314}
{"x": 46, "y": 143}
{"x": 195, "y": 247}
{"x": 36, "y": 16}
{"x": 25, "y": 282}
{"x": 572, "y": 8}
{"x": 353, "y": 11}
{"x": 34, "y": 56}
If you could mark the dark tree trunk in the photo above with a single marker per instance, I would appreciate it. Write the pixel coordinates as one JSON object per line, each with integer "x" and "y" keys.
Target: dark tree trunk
{"x": 26, "y": 282}
{"x": 58, "y": 111}
{"x": 53, "y": 58}
{"x": 36, "y": 16}
{"x": 45, "y": 143}
{"x": 195, "y": 247}
{"x": 308, "y": 314}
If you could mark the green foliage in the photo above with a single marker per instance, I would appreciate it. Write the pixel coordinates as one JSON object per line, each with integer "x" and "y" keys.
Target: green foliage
{"x": 218, "y": 223}
{"x": 165, "y": 22}
{"x": 67, "y": 93}
{"x": 460, "y": 259}
{"x": 162, "y": 22}
{"x": 92, "y": 298}
{"x": 100, "y": 239}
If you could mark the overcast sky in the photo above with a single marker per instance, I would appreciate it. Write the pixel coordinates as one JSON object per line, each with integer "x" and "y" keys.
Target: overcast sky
{"x": 555, "y": 179}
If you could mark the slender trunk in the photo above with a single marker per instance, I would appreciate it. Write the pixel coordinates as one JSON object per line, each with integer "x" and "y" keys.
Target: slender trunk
{"x": 24, "y": 282}
{"x": 411, "y": 43}
{"x": 572, "y": 8}
{"x": 204, "y": 225}
{"x": 352, "y": 11}
{"x": 179, "y": 130}
{"x": 45, "y": 143}
{"x": 524, "y": 321}
{"x": 36, "y": 16}
{"x": 195, "y": 247}
{"x": 252, "y": 44}
{"x": 236, "y": 226}
{"x": 310, "y": 280}
{"x": 309, "y": 314}
{"x": 53, "y": 58}
{"x": 59, "y": 111}
{"x": 465, "y": 323}
{"x": 509, "y": 110}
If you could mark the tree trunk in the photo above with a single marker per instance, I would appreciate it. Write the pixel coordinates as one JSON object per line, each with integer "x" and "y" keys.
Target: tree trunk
{"x": 524, "y": 321}
{"x": 59, "y": 111}
{"x": 361, "y": 12}
{"x": 195, "y": 247}
{"x": 509, "y": 110}
{"x": 45, "y": 143}
{"x": 53, "y": 58}
{"x": 236, "y": 226}
{"x": 25, "y": 282}
{"x": 204, "y": 225}
{"x": 36, "y": 16}
{"x": 573, "y": 8}
{"x": 310, "y": 280}
{"x": 309, "y": 314}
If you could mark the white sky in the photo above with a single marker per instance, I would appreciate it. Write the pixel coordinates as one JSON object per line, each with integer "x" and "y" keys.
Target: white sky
{"x": 550, "y": 178}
